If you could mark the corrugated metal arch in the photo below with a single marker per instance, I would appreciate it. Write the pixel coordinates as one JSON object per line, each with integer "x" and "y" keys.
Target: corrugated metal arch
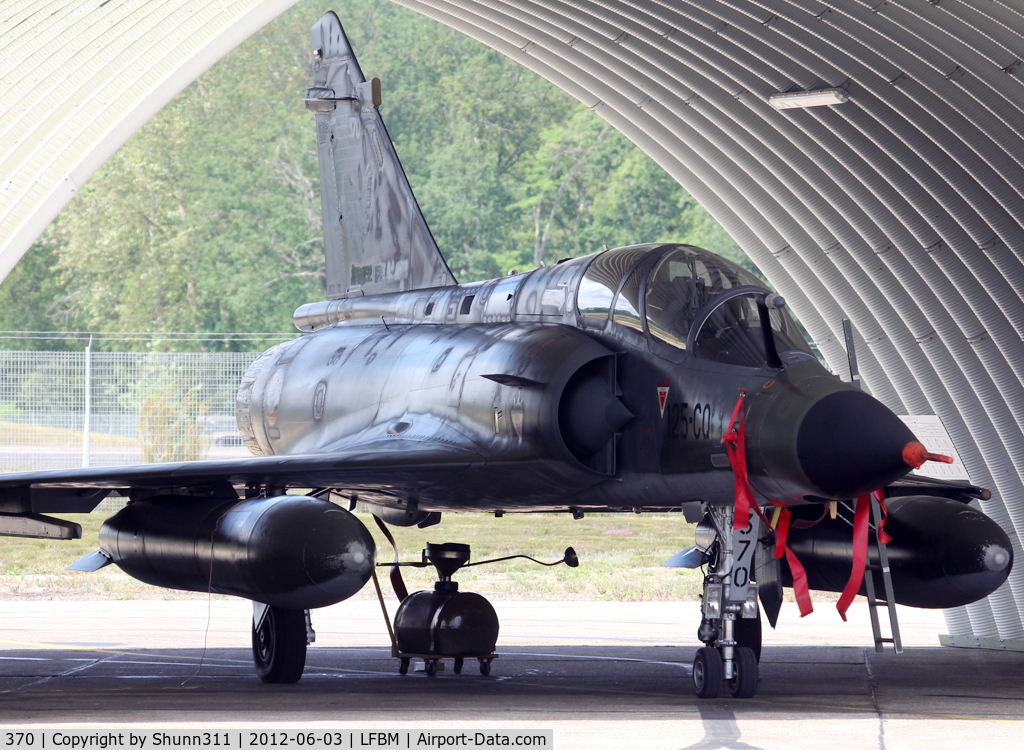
{"x": 902, "y": 209}
{"x": 77, "y": 78}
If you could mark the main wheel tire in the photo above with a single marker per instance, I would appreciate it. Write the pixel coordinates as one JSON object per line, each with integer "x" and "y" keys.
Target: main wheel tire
{"x": 748, "y": 633}
{"x": 279, "y": 645}
{"x": 708, "y": 672}
{"x": 744, "y": 678}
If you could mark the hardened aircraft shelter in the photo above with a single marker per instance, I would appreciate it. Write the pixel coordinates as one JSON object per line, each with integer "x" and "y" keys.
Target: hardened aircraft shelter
{"x": 897, "y": 203}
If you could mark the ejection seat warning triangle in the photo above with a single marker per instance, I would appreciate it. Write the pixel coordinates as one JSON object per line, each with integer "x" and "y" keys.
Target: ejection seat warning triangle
{"x": 662, "y": 394}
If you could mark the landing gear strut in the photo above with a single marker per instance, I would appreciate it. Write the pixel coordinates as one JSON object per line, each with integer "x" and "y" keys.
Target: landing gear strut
{"x": 279, "y": 638}
{"x": 731, "y": 627}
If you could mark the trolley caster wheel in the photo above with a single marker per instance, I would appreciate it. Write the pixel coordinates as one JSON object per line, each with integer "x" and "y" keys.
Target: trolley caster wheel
{"x": 430, "y": 667}
{"x": 485, "y": 667}
{"x": 708, "y": 672}
{"x": 458, "y": 665}
{"x": 403, "y": 665}
{"x": 744, "y": 680}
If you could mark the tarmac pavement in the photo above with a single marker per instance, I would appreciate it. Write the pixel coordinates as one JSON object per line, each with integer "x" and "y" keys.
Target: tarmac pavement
{"x": 601, "y": 675}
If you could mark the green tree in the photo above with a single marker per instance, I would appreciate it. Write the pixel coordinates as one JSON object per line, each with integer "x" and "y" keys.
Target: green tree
{"x": 208, "y": 219}
{"x": 32, "y": 297}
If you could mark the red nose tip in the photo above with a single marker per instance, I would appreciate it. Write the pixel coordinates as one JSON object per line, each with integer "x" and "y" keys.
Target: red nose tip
{"x": 915, "y": 454}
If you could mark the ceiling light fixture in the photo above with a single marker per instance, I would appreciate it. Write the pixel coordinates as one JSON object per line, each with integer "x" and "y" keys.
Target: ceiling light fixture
{"x": 804, "y": 99}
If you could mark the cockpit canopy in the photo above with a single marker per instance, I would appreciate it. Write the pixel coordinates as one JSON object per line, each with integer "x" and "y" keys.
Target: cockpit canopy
{"x": 688, "y": 299}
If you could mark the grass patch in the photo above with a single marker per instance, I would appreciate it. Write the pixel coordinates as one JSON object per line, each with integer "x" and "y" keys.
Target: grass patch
{"x": 620, "y": 555}
{"x": 37, "y": 435}
{"x": 620, "y": 559}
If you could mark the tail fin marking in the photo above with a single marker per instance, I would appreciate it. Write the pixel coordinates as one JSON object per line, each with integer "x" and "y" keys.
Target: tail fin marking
{"x": 375, "y": 237}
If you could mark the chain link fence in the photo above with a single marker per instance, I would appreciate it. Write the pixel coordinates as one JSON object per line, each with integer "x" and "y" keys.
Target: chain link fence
{"x": 67, "y": 409}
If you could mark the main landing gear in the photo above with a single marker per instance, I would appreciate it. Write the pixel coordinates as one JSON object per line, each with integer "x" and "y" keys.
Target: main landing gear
{"x": 279, "y": 640}
{"x": 731, "y": 624}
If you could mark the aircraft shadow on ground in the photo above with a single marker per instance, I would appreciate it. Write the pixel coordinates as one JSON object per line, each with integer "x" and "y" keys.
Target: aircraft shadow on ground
{"x": 543, "y": 683}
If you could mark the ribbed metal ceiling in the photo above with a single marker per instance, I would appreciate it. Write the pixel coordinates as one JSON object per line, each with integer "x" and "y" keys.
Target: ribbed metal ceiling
{"x": 901, "y": 209}
{"x": 78, "y": 77}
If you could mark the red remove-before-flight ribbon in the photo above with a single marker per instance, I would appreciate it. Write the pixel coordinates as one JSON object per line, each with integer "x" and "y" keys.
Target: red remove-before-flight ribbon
{"x": 861, "y": 524}
{"x": 882, "y": 536}
{"x": 736, "y": 447}
{"x": 801, "y": 590}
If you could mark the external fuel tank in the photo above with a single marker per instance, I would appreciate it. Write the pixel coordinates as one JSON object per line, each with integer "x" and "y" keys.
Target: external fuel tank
{"x": 292, "y": 551}
{"x": 943, "y": 553}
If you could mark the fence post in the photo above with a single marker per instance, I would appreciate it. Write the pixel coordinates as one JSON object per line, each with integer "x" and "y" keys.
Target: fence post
{"x": 88, "y": 403}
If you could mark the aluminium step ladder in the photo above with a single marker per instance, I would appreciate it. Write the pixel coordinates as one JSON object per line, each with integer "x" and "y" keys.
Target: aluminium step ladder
{"x": 883, "y": 556}
{"x": 873, "y": 601}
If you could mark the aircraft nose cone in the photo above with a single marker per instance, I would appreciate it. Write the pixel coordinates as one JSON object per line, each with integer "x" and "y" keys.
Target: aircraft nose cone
{"x": 849, "y": 443}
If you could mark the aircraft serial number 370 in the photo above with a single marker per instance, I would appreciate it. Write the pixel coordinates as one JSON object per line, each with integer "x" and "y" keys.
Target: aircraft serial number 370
{"x": 601, "y": 383}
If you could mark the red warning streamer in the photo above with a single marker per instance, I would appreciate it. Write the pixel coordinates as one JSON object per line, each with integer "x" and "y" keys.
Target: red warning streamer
{"x": 882, "y": 536}
{"x": 801, "y": 590}
{"x": 861, "y": 525}
{"x": 736, "y": 447}
{"x": 860, "y": 554}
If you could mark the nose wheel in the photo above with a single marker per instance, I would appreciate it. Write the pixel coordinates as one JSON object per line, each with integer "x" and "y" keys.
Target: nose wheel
{"x": 744, "y": 679}
{"x": 708, "y": 672}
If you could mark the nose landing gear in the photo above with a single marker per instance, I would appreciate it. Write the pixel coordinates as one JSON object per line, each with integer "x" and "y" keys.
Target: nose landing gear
{"x": 730, "y": 627}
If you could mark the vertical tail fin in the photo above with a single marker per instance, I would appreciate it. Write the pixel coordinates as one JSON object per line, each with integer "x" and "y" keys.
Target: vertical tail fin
{"x": 375, "y": 237}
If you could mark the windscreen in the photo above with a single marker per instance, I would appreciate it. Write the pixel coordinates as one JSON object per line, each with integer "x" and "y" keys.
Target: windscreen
{"x": 682, "y": 283}
{"x": 732, "y": 333}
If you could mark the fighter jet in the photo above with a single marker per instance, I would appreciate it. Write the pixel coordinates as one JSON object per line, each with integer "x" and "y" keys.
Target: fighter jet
{"x": 655, "y": 377}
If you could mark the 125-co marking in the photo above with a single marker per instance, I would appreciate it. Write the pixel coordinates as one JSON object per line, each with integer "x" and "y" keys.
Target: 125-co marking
{"x": 679, "y": 425}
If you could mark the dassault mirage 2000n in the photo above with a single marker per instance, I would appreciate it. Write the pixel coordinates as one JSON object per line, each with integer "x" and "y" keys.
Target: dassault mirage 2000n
{"x": 646, "y": 378}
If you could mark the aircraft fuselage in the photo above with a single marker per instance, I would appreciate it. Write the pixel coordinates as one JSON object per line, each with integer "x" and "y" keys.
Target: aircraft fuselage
{"x": 565, "y": 409}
